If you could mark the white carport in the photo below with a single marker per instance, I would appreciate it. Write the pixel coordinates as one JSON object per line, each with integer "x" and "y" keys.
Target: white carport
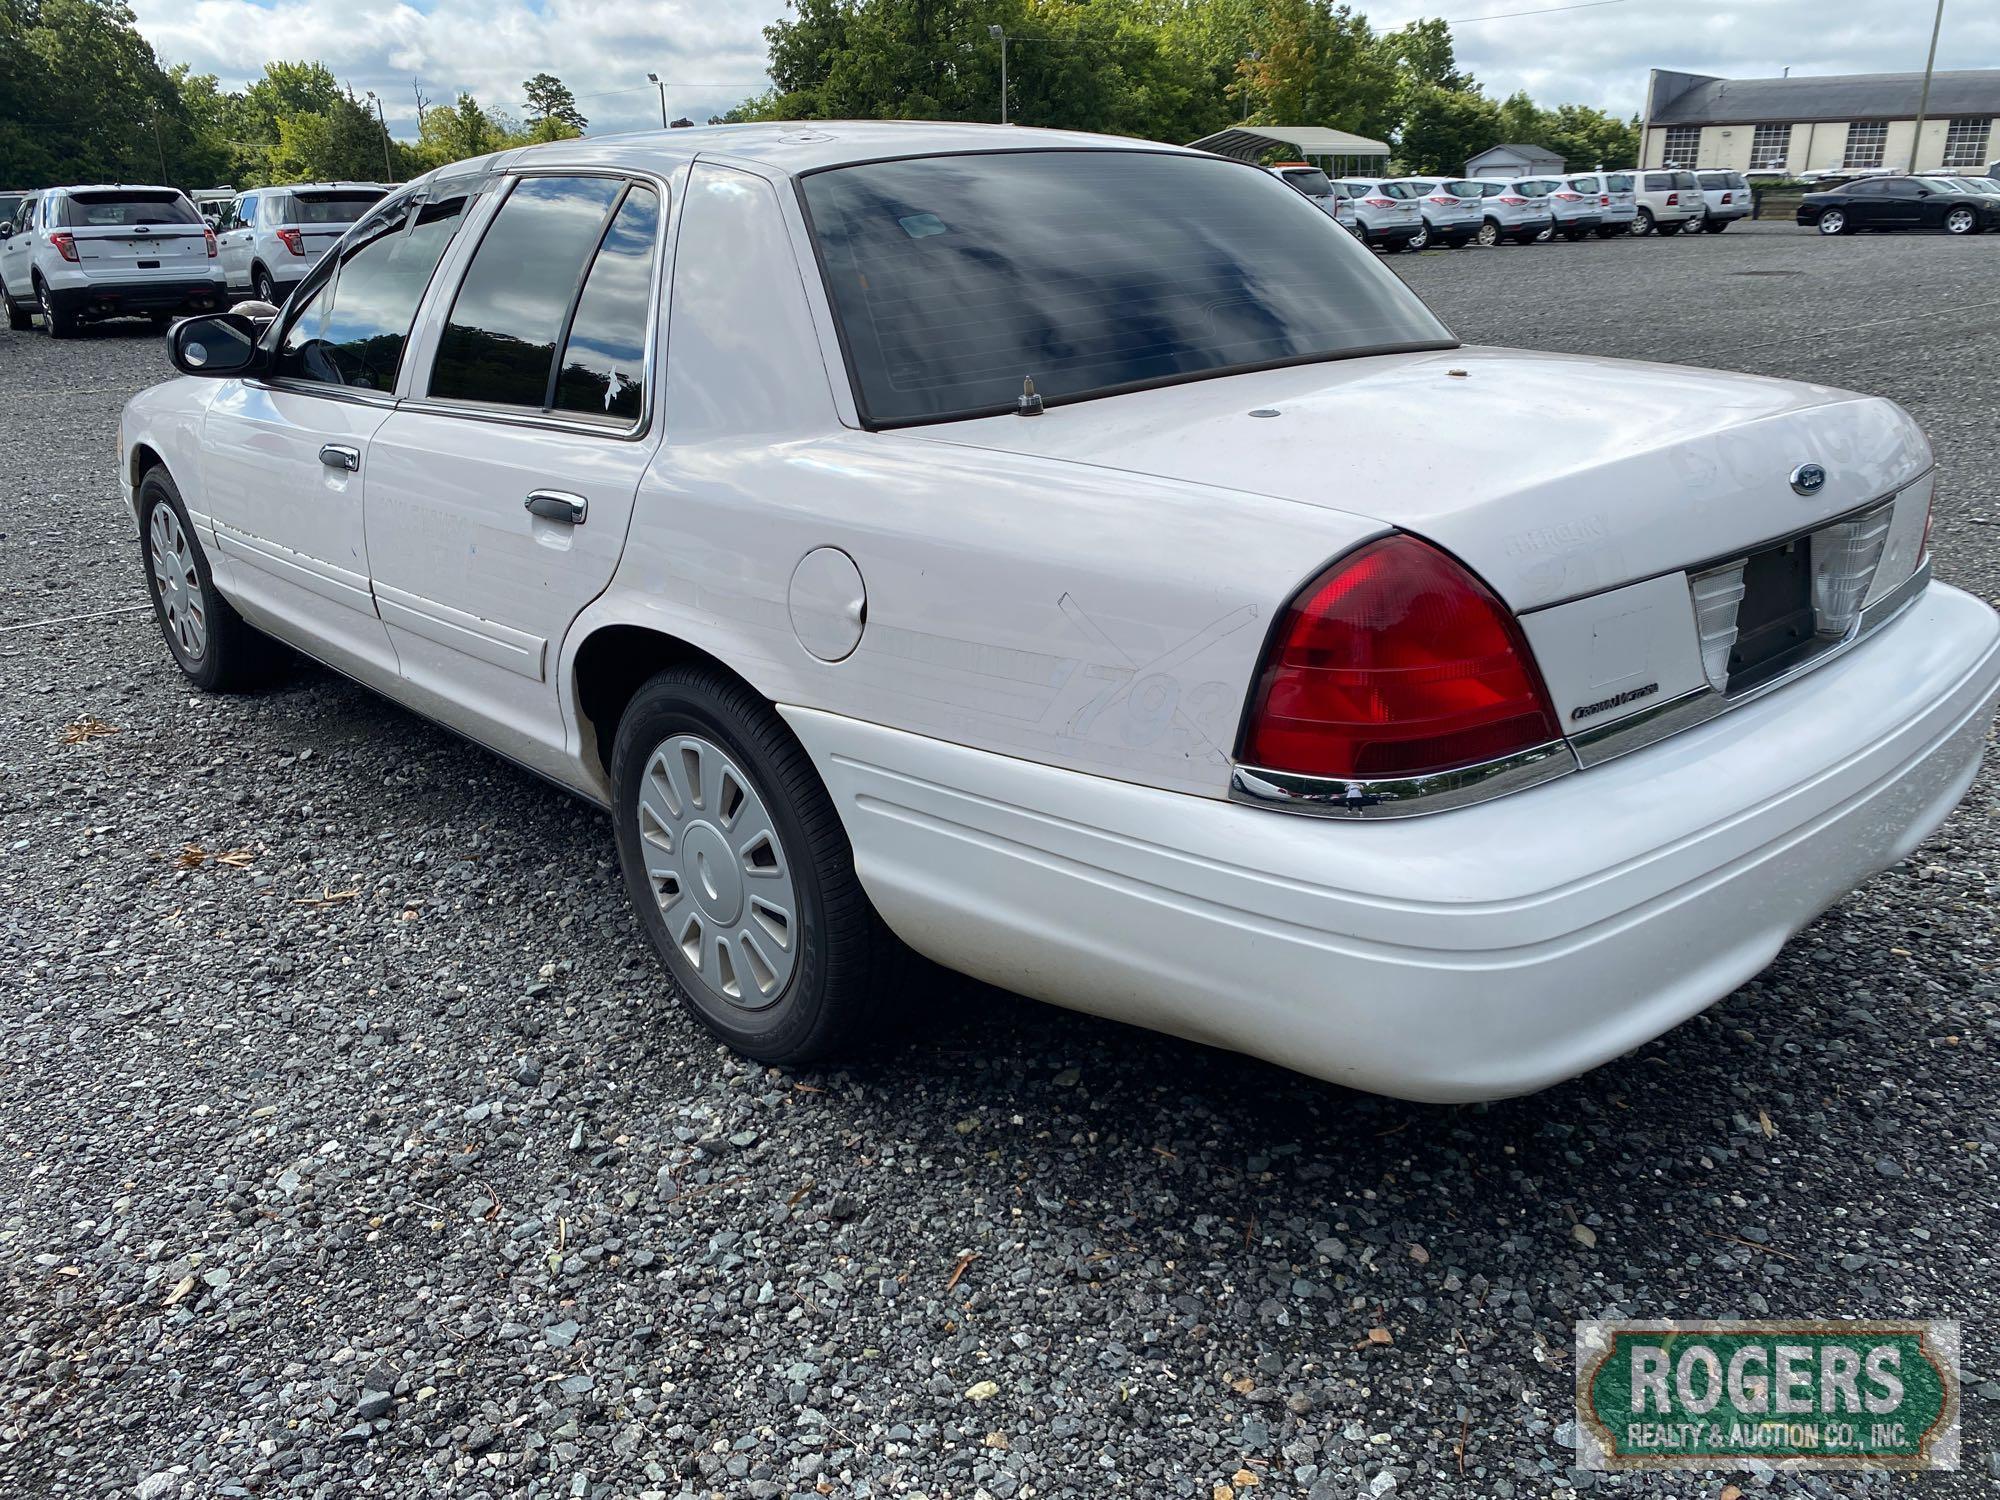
{"x": 1337, "y": 152}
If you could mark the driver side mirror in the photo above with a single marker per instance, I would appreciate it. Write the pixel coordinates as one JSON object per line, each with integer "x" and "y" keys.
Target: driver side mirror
{"x": 217, "y": 346}
{"x": 6, "y": 231}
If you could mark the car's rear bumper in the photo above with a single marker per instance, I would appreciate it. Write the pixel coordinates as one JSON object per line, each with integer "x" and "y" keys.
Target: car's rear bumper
{"x": 1483, "y": 952}
{"x": 1732, "y": 213}
{"x": 1394, "y": 234}
{"x": 111, "y": 297}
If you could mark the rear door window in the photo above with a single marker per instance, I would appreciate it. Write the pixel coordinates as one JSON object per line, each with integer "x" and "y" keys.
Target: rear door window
{"x": 351, "y": 330}
{"x": 126, "y": 206}
{"x": 526, "y": 294}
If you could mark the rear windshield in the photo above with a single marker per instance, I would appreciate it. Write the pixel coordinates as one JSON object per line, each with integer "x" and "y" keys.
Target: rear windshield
{"x": 124, "y": 206}
{"x": 1405, "y": 190}
{"x": 955, "y": 278}
{"x": 1534, "y": 189}
{"x": 1462, "y": 188}
{"x": 332, "y": 208}
{"x": 1585, "y": 184}
{"x": 1721, "y": 180}
{"x": 1310, "y": 181}
{"x": 1618, "y": 182}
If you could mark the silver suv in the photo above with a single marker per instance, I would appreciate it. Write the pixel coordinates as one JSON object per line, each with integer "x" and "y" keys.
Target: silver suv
{"x": 1451, "y": 209}
{"x": 1514, "y": 209}
{"x": 1616, "y": 202}
{"x": 271, "y": 237}
{"x": 1387, "y": 212}
{"x": 1725, "y": 198}
{"x": 77, "y": 254}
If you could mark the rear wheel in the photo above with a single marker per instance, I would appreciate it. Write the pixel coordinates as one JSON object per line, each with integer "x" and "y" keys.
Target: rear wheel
{"x": 1576, "y": 236}
{"x": 265, "y": 288}
{"x": 1610, "y": 233}
{"x": 56, "y": 323}
{"x": 1714, "y": 226}
{"x": 1961, "y": 221}
{"x": 1670, "y": 228}
{"x": 1422, "y": 240}
{"x": 1642, "y": 223}
{"x": 1832, "y": 221}
{"x": 210, "y": 642}
{"x": 1543, "y": 236}
{"x": 741, "y": 873}
{"x": 1489, "y": 233}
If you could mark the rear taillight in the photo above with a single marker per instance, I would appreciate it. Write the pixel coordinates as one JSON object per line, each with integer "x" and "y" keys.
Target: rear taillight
{"x": 293, "y": 240}
{"x": 1512, "y": 202}
{"x": 1673, "y": 200}
{"x": 65, "y": 245}
{"x": 1380, "y": 202}
{"x": 1435, "y": 198}
{"x": 1727, "y": 199}
{"x": 208, "y": 235}
{"x": 1604, "y": 201}
{"x": 1395, "y": 662}
{"x": 1569, "y": 197}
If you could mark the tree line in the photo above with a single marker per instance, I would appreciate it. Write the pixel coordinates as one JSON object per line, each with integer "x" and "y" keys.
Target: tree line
{"x": 83, "y": 98}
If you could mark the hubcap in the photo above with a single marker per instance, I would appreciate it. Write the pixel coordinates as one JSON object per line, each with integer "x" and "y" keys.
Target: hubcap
{"x": 1488, "y": 235}
{"x": 1831, "y": 223}
{"x": 1960, "y": 221}
{"x": 718, "y": 871}
{"x": 178, "y": 584}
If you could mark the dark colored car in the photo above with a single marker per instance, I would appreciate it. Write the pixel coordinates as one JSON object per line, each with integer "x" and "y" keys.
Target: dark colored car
{"x": 1900, "y": 203}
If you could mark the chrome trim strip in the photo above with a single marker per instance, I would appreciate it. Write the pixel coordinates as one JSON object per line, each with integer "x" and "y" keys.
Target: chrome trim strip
{"x": 1401, "y": 797}
{"x": 1651, "y": 725}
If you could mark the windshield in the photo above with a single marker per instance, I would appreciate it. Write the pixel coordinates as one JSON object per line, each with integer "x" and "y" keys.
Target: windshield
{"x": 954, "y": 278}
{"x": 1309, "y": 180}
{"x": 125, "y": 206}
{"x": 332, "y": 208}
{"x": 1976, "y": 185}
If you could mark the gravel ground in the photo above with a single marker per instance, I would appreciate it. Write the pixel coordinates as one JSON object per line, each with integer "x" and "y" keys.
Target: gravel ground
{"x": 371, "y": 1160}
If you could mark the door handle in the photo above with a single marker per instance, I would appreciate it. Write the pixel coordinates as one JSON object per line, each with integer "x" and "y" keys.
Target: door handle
{"x": 558, "y": 505}
{"x": 340, "y": 456}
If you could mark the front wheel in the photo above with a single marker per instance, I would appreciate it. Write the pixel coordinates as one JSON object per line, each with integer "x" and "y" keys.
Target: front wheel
{"x": 1489, "y": 233}
{"x": 741, "y": 873}
{"x": 210, "y": 642}
{"x": 1833, "y": 221}
{"x": 1961, "y": 221}
{"x": 20, "y": 317}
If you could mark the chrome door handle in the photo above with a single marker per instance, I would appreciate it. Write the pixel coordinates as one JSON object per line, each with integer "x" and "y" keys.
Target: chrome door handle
{"x": 558, "y": 505}
{"x": 340, "y": 456}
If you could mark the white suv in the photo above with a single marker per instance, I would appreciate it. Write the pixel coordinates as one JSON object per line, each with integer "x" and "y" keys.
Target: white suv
{"x": 1513, "y": 209}
{"x": 1312, "y": 183}
{"x": 271, "y": 237}
{"x": 1575, "y": 213}
{"x": 1725, "y": 198}
{"x": 1612, "y": 192}
{"x": 1667, "y": 201}
{"x": 77, "y": 254}
{"x": 1386, "y": 212}
{"x": 1452, "y": 209}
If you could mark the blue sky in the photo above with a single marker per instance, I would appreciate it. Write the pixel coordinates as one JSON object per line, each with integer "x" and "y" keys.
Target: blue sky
{"x": 712, "y": 51}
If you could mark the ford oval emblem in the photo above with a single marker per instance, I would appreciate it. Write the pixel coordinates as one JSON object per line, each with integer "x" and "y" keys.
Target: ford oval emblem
{"x": 1808, "y": 479}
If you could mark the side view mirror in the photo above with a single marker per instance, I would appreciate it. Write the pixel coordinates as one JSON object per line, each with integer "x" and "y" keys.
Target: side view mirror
{"x": 6, "y": 231}
{"x": 217, "y": 346}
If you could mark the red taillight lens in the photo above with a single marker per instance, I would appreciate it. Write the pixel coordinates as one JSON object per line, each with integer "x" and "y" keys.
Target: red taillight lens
{"x": 1570, "y": 197}
{"x": 1726, "y": 198}
{"x": 1512, "y": 202}
{"x": 65, "y": 246}
{"x": 1395, "y": 662}
{"x": 1673, "y": 199}
{"x": 1604, "y": 201}
{"x": 293, "y": 240}
{"x": 1380, "y": 202}
{"x": 209, "y": 236}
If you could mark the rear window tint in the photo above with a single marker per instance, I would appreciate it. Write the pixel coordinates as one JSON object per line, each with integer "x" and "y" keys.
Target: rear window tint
{"x": 1310, "y": 181}
{"x": 331, "y": 208}
{"x": 1586, "y": 184}
{"x": 1462, "y": 188}
{"x": 1618, "y": 182}
{"x": 123, "y": 206}
{"x": 1533, "y": 189}
{"x": 1402, "y": 190}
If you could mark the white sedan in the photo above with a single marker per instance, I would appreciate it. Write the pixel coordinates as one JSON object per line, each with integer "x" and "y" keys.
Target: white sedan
{"x": 938, "y": 535}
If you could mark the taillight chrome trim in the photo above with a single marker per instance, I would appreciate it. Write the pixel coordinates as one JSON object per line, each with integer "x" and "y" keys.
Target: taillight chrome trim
{"x": 1401, "y": 797}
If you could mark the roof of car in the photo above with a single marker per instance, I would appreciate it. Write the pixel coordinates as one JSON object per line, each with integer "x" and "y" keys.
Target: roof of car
{"x": 803, "y": 146}
{"x": 115, "y": 187}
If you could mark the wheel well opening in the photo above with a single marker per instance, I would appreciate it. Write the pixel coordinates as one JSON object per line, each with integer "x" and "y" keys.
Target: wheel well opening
{"x": 143, "y": 458}
{"x": 611, "y": 666}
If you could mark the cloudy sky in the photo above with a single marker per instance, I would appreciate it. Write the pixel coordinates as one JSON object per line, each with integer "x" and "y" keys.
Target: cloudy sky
{"x": 711, "y": 52}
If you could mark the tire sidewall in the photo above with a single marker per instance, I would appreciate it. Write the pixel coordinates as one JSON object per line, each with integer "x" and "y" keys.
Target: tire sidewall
{"x": 680, "y": 703}
{"x": 155, "y": 490}
{"x": 1958, "y": 221}
{"x": 1642, "y": 222}
{"x": 1831, "y": 222}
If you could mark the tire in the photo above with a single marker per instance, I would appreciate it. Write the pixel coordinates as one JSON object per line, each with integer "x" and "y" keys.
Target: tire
{"x": 1714, "y": 226}
{"x": 1543, "y": 236}
{"x": 1489, "y": 233}
{"x": 20, "y": 317}
{"x": 1670, "y": 229}
{"x": 56, "y": 324}
{"x": 209, "y": 641}
{"x": 262, "y": 287}
{"x": 1642, "y": 223}
{"x": 1833, "y": 221}
{"x": 1609, "y": 234}
{"x": 1421, "y": 241}
{"x": 1961, "y": 221}
{"x": 808, "y": 983}
{"x": 1576, "y": 236}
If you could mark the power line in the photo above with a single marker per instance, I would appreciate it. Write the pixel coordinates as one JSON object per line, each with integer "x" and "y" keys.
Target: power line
{"x": 1509, "y": 15}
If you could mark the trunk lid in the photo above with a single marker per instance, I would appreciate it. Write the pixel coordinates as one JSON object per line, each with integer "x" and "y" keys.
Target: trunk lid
{"x": 136, "y": 234}
{"x": 1595, "y": 472}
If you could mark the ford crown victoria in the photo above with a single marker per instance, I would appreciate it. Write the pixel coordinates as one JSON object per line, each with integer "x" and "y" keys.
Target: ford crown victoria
{"x": 937, "y": 535}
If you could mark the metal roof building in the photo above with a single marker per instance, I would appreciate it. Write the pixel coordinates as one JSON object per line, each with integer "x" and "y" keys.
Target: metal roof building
{"x": 1512, "y": 160}
{"x": 1317, "y": 144}
{"x": 1854, "y": 121}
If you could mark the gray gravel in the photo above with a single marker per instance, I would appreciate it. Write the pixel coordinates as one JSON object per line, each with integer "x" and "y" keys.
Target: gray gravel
{"x": 371, "y": 1159}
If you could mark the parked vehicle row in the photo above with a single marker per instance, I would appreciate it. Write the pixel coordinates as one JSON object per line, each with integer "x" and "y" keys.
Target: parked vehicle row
{"x": 79, "y": 254}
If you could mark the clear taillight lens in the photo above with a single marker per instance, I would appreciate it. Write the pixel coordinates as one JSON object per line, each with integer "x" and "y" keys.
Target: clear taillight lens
{"x": 209, "y": 236}
{"x": 64, "y": 245}
{"x": 1395, "y": 662}
{"x": 1718, "y": 595}
{"x": 1844, "y": 557}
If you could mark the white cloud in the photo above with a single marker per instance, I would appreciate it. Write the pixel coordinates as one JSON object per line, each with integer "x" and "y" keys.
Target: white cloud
{"x": 712, "y": 51}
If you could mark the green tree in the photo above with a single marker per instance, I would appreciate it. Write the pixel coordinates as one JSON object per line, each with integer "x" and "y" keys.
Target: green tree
{"x": 552, "y": 111}
{"x": 1443, "y": 128}
{"x": 82, "y": 97}
{"x": 1319, "y": 64}
{"x": 452, "y": 132}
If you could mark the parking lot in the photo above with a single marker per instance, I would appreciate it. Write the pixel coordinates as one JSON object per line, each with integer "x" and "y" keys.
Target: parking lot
{"x": 349, "y": 1143}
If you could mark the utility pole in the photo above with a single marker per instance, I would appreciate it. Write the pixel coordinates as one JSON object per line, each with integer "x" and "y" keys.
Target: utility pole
{"x": 160, "y": 146}
{"x": 999, "y": 34}
{"x": 1924, "y": 99}
{"x": 388, "y": 171}
{"x": 661, "y": 84}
